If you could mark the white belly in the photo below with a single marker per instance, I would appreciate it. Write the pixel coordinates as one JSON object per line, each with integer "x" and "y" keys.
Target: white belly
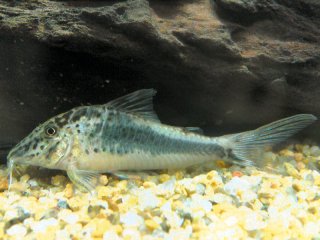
{"x": 103, "y": 162}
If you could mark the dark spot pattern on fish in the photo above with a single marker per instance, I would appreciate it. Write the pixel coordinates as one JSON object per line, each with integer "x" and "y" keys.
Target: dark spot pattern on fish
{"x": 123, "y": 136}
{"x": 78, "y": 113}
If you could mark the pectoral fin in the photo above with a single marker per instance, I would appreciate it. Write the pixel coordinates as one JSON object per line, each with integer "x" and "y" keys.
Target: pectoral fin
{"x": 83, "y": 179}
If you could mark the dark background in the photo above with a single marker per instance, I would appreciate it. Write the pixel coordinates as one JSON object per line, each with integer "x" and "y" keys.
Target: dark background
{"x": 225, "y": 67}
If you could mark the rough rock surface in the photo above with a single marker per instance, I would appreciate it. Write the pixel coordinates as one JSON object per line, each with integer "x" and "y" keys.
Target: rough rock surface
{"x": 223, "y": 65}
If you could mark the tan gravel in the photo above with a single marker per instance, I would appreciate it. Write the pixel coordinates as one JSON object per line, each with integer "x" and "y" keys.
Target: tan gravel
{"x": 195, "y": 203}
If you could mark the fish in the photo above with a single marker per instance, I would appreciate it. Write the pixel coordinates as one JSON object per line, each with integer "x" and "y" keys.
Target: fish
{"x": 126, "y": 134}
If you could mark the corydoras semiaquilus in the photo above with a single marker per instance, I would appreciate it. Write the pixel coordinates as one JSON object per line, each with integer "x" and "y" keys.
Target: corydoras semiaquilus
{"x": 126, "y": 134}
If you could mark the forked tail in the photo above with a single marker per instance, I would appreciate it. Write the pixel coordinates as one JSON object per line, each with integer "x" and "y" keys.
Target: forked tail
{"x": 246, "y": 148}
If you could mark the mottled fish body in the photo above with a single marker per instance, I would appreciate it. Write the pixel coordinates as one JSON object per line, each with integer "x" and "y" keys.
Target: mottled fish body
{"x": 126, "y": 134}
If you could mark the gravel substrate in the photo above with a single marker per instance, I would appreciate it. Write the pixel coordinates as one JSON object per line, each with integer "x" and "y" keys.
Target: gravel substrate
{"x": 198, "y": 203}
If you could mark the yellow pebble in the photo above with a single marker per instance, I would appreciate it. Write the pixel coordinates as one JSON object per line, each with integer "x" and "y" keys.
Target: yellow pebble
{"x": 221, "y": 164}
{"x": 25, "y": 178}
{"x": 122, "y": 184}
{"x": 211, "y": 175}
{"x": 58, "y": 180}
{"x": 117, "y": 228}
{"x": 68, "y": 191}
{"x": 301, "y": 165}
{"x": 287, "y": 153}
{"x": 149, "y": 185}
{"x": 298, "y": 157}
{"x": 100, "y": 226}
{"x": 3, "y": 183}
{"x": 2, "y": 225}
{"x": 177, "y": 205}
{"x": 151, "y": 224}
{"x": 164, "y": 178}
{"x": 179, "y": 175}
{"x": 103, "y": 180}
{"x": 317, "y": 180}
{"x": 292, "y": 171}
{"x": 75, "y": 203}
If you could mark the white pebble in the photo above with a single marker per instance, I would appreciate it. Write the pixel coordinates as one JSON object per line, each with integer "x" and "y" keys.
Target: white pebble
{"x": 43, "y": 224}
{"x": 71, "y": 218}
{"x": 166, "y": 207}
{"x": 173, "y": 219}
{"x": 131, "y": 219}
{"x": 199, "y": 202}
{"x": 17, "y": 230}
{"x": 147, "y": 199}
{"x": 10, "y": 214}
{"x": 200, "y": 188}
{"x": 33, "y": 183}
{"x": 315, "y": 151}
{"x": 236, "y": 184}
{"x": 130, "y": 233}
{"x": 221, "y": 198}
{"x": 181, "y": 234}
{"x": 111, "y": 235}
{"x": 166, "y": 188}
{"x": 252, "y": 222}
{"x": 312, "y": 229}
{"x": 232, "y": 220}
{"x": 248, "y": 196}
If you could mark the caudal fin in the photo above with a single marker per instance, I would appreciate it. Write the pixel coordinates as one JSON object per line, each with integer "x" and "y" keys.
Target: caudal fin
{"x": 246, "y": 147}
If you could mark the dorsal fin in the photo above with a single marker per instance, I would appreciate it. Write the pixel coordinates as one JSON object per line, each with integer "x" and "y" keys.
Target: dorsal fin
{"x": 139, "y": 103}
{"x": 194, "y": 129}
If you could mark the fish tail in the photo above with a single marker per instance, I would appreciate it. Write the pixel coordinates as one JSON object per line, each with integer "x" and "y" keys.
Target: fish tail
{"x": 246, "y": 148}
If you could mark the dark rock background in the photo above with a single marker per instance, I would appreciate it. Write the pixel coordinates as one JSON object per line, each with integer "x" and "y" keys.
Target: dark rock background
{"x": 223, "y": 65}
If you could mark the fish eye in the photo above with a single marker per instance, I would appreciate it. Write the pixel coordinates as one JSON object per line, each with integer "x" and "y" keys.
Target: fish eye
{"x": 50, "y": 131}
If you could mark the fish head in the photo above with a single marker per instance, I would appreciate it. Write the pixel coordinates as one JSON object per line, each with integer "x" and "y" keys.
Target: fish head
{"x": 46, "y": 145}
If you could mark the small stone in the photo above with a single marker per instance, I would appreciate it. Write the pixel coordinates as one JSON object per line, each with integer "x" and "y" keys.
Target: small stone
{"x": 42, "y": 225}
{"x": 315, "y": 151}
{"x": 111, "y": 235}
{"x": 237, "y": 174}
{"x": 164, "y": 178}
{"x": 62, "y": 204}
{"x": 200, "y": 188}
{"x": 58, "y": 180}
{"x": 236, "y": 184}
{"x": 179, "y": 175}
{"x": 71, "y": 218}
{"x": 75, "y": 203}
{"x": 103, "y": 180}
{"x": 103, "y": 192}
{"x": 100, "y": 227}
{"x": 292, "y": 171}
{"x": 147, "y": 199}
{"x": 221, "y": 198}
{"x": 253, "y": 222}
{"x": 198, "y": 202}
{"x": 151, "y": 224}
{"x": 25, "y": 178}
{"x": 68, "y": 191}
{"x": 131, "y": 219}
{"x": 166, "y": 188}
{"x": 298, "y": 157}
{"x": 3, "y": 183}
{"x": 17, "y": 231}
{"x": 131, "y": 233}
{"x": 93, "y": 211}
{"x": 149, "y": 185}
{"x": 33, "y": 183}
